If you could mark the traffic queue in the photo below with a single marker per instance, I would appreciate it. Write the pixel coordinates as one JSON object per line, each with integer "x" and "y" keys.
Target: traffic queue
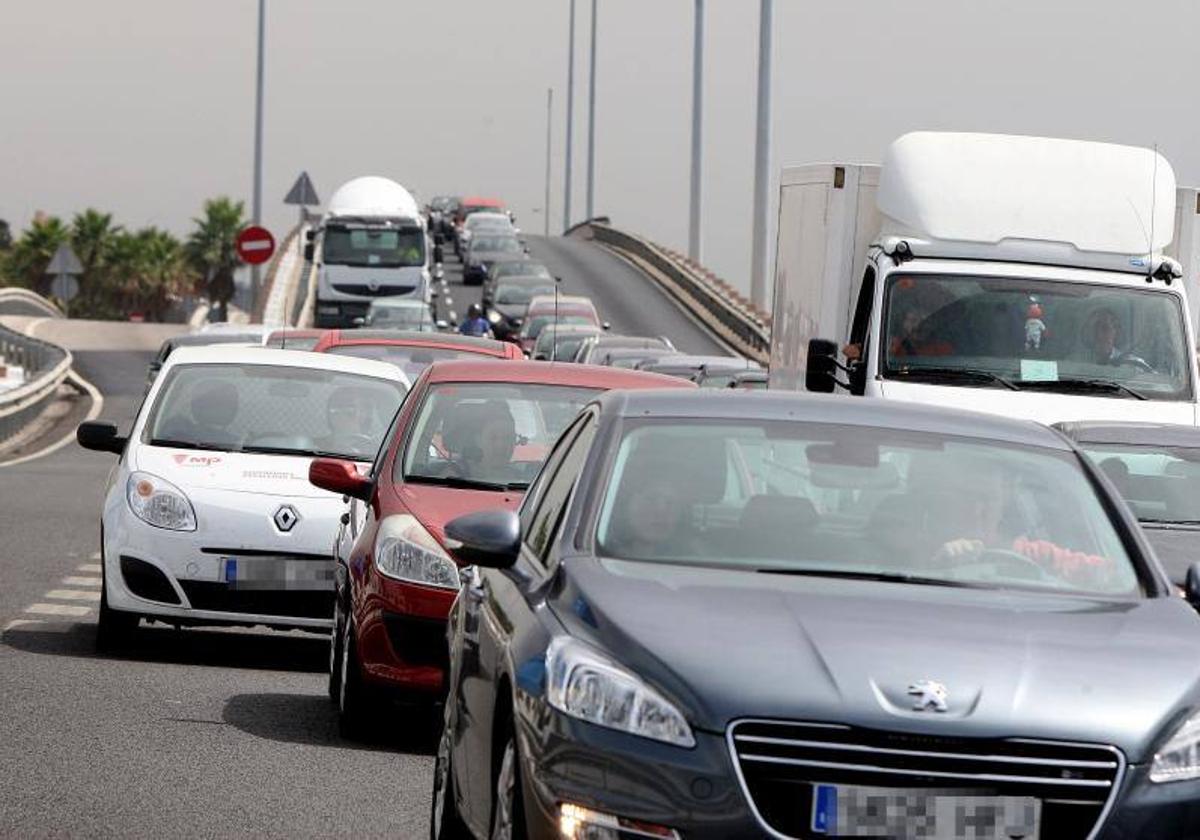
{"x": 651, "y": 605}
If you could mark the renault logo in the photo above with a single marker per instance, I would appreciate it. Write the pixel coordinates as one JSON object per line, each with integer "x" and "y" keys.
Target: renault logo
{"x": 929, "y": 695}
{"x": 286, "y": 518}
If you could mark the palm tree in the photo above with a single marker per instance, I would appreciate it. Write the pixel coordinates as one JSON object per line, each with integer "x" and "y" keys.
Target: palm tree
{"x": 91, "y": 236}
{"x": 28, "y": 257}
{"x": 212, "y": 248}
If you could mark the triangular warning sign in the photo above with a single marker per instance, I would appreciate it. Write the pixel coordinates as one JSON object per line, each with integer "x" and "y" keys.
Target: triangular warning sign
{"x": 302, "y": 192}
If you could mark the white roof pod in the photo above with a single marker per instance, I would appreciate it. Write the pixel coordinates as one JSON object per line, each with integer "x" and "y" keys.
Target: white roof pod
{"x": 372, "y": 195}
{"x": 1028, "y": 198}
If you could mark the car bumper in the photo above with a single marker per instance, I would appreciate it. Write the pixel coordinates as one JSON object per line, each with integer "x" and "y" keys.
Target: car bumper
{"x": 402, "y": 635}
{"x": 1150, "y": 811}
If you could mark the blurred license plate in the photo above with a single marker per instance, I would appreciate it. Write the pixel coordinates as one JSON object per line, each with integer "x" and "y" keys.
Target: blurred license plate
{"x": 922, "y": 814}
{"x": 277, "y": 573}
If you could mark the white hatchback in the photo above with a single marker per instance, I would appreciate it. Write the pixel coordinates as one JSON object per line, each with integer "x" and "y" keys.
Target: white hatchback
{"x": 209, "y": 517}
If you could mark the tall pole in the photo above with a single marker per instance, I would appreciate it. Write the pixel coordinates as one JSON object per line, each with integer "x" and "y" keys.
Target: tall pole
{"x": 591, "y": 163}
{"x": 697, "y": 142}
{"x": 762, "y": 160}
{"x": 549, "y": 117}
{"x": 570, "y": 118}
{"x": 256, "y": 209}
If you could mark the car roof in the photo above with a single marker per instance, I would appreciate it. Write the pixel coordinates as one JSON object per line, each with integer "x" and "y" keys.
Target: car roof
{"x": 629, "y": 342}
{"x": 547, "y": 373}
{"x": 412, "y": 338}
{"x": 489, "y": 216}
{"x": 576, "y": 301}
{"x": 295, "y": 332}
{"x": 523, "y": 279}
{"x": 1132, "y": 434}
{"x": 730, "y": 404}
{"x": 682, "y": 360}
{"x": 480, "y": 201}
{"x": 285, "y": 358}
{"x": 208, "y": 339}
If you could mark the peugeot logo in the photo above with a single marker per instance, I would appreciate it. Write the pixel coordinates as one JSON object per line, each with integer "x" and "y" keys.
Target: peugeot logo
{"x": 286, "y": 518}
{"x": 929, "y": 695}
{"x": 373, "y": 285}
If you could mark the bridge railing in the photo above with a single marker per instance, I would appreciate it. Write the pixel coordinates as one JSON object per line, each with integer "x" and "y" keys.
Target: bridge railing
{"x": 46, "y": 367}
{"x": 715, "y": 303}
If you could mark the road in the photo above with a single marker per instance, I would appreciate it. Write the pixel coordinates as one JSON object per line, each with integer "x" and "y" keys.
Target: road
{"x": 200, "y": 733}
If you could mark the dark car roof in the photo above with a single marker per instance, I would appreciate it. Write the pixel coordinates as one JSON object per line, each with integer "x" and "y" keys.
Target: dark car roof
{"x": 547, "y": 373}
{"x": 205, "y": 339}
{"x": 483, "y": 346}
{"x": 729, "y": 404}
{"x": 632, "y": 342}
{"x": 1132, "y": 434}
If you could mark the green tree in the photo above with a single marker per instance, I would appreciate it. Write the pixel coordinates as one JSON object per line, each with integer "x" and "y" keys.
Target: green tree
{"x": 212, "y": 248}
{"x": 5, "y": 236}
{"x": 29, "y": 255}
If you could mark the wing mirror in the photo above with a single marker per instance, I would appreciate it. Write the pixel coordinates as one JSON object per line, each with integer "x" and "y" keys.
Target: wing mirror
{"x": 488, "y": 538}
{"x": 342, "y": 477}
{"x": 606, "y": 326}
{"x": 443, "y": 324}
{"x": 822, "y": 364}
{"x": 1191, "y": 587}
{"x": 360, "y": 321}
{"x": 309, "y": 250}
{"x": 100, "y": 437}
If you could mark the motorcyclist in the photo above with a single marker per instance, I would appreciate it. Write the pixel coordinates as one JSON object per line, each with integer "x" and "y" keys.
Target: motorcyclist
{"x": 475, "y": 324}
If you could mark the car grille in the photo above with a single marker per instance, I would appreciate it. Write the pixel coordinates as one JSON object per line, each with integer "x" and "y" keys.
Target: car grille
{"x": 147, "y": 581}
{"x": 363, "y": 289}
{"x": 779, "y": 762}
{"x": 222, "y": 597}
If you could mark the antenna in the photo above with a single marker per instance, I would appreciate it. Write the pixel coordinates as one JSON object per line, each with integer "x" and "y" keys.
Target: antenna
{"x": 1153, "y": 202}
{"x": 554, "y": 339}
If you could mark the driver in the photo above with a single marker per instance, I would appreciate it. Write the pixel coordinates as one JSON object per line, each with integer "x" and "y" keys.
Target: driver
{"x": 1105, "y": 342}
{"x": 349, "y": 413}
{"x": 484, "y": 440}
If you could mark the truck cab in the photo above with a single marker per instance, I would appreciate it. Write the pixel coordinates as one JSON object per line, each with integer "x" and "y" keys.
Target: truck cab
{"x": 372, "y": 242}
{"x": 1022, "y": 276}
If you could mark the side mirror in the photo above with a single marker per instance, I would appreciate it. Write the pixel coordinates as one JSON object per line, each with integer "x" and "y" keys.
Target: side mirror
{"x": 488, "y": 538}
{"x": 342, "y": 477}
{"x": 359, "y": 321}
{"x": 310, "y": 235}
{"x": 822, "y": 362}
{"x": 309, "y": 251}
{"x": 100, "y": 437}
{"x": 606, "y": 326}
{"x": 443, "y": 324}
{"x": 1191, "y": 588}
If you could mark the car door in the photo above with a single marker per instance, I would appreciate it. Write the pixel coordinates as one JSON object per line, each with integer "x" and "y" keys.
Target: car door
{"x": 507, "y": 599}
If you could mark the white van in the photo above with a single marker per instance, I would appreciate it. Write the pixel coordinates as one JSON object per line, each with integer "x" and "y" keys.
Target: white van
{"x": 1026, "y": 276}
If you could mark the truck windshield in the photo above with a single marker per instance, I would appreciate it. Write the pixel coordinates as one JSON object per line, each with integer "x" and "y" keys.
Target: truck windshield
{"x": 383, "y": 247}
{"x": 1035, "y": 334}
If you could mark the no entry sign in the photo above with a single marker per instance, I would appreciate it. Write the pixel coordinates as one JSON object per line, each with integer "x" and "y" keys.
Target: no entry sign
{"x": 255, "y": 245}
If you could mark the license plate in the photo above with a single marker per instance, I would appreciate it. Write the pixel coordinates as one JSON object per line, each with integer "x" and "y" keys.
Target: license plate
{"x": 277, "y": 573}
{"x": 922, "y": 814}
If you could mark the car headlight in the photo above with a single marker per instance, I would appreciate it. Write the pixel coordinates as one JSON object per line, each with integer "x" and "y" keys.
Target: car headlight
{"x": 493, "y": 317}
{"x": 585, "y": 684}
{"x": 404, "y": 550}
{"x": 1179, "y": 758}
{"x": 160, "y": 503}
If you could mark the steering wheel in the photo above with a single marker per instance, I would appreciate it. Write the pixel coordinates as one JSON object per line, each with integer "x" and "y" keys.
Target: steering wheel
{"x": 1130, "y": 360}
{"x": 360, "y": 443}
{"x": 1021, "y": 567}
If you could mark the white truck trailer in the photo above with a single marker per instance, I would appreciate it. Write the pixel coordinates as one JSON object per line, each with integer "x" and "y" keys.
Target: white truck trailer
{"x": 370, "y": 243}
{"x": 1026, "y": 276}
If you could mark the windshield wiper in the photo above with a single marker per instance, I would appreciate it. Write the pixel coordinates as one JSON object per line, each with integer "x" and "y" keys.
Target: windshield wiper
{"x": 191, "y": 444}
{"x": 1106, "y": 386}
{"x": 965, "y": 374}
{"x": 885, "y": 577}
{"x": 465, "y": 483}
{"x": 1185, "y": 522}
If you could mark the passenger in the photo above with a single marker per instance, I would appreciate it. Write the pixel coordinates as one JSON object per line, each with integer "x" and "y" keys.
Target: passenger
{"x": 475, "y": 324}
{"x": 212, "y": 408}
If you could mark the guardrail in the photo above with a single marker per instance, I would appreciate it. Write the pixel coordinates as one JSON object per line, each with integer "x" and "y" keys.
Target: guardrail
{"x": 713, "y": 302}
{"x": 46, "y": 367}
{"x": 304, "y": 303}
{"x": 18, "y": 301}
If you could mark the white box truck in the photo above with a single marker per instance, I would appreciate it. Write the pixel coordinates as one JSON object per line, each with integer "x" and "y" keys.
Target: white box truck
{"x": 370, "y": 243}
{"x": 1026, "y": 276}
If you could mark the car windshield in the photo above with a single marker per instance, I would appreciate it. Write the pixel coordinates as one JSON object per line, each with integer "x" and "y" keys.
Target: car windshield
{"x": 1160, "y": 484}
{"x": 533, "y": 327}
{"x": 837, "y": 501}
{"x": 398, "y": 316}
{"x": 383, "y": 247}
{"x": 496, "y": 244}
{"x": 564, "y": 343}
{"x": 410, "y": 358}
{"x": 512, "y": 294}
{"x": 490, "y": 435}
{"x": 522, "y": 269}
{"x": 273, "y": 410}
{"x": 1036, "y": 334}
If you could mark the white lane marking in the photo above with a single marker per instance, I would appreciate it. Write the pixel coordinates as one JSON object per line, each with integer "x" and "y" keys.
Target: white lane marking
{"x": 96, "y": 555}
{"x": 31, "y": 327}
{"x": 79, "y": 580}
{"x": 57, "y": 609}
{"x": 20, "y": 622}
{"x": 72, "y": 595}
{"x": 89, "y": 567}
{"x": 97, "y": 406}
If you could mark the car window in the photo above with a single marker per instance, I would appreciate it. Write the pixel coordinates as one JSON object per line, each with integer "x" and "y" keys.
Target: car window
{"x": 1160, "y": 484}
{"x": 545, "y": 518}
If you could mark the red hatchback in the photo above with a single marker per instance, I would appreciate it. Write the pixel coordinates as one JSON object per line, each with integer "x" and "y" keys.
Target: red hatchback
{"x": 412, "y": 352}
{"x": 470, "y": 436}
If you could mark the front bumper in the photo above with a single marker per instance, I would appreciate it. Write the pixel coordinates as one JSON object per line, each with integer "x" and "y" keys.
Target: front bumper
{"x": 402, "y": 635}
{"x": 1149, "y": 811}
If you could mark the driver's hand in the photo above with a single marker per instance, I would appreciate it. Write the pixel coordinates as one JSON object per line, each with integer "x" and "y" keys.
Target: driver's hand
{"x": 961, "y": 548}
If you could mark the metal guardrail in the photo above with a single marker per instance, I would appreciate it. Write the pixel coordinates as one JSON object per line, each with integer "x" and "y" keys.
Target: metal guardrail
{"x": 18, "y": 301}
{"x": 715, "y": 303}
{"x": 304, "y": 302}
{"x": 46, "y": 366}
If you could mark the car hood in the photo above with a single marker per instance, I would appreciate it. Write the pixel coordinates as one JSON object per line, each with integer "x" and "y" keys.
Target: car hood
{"x": 730, "y": 644}
{"x": 275, "y": 475}
{"x": 1177, "y": 548}
{"x": 434, "y": 506}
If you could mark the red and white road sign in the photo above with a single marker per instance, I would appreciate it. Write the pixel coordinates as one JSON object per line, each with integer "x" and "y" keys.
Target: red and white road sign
{"x": 255, "y": 245}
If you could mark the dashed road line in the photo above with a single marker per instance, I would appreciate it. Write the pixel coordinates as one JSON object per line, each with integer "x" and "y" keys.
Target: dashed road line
{"x": 89, "y": 567}
{"x": 20, "y": 622}
{"x": 57, "y": 609}
{"x": 72, "y": 595}
{"x": 74, "y": 580}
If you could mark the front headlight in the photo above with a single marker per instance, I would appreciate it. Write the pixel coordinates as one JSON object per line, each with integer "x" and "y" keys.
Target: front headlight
{"x": 160, "y": 503}
{"x": 493, "y": 317}
{"x": 404, "y": 550}
{"x": 1179, "y": 758}
{"x": 585, "y": 684}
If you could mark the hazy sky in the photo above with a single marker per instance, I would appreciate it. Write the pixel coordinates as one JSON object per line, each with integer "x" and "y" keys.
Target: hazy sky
{"x": 146, "y": 107}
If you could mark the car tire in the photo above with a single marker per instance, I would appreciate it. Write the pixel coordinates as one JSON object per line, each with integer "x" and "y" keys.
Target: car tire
{"x": 114, "y": 628}
{"x": 445, "y": 822}
{"x": 335, "y": 655}
{"x": 353, "y": 708}
{"x": 508, "y": 801}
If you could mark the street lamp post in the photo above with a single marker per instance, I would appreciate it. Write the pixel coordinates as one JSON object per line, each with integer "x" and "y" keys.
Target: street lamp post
{"x": 591, "y": 159}
{"x": 549, "y": 119}
{"x": 256, "y": 206}
{"x": 762, "y": 160}
{"x": 570, "y": 118}
{"x": 694, "y": 250}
